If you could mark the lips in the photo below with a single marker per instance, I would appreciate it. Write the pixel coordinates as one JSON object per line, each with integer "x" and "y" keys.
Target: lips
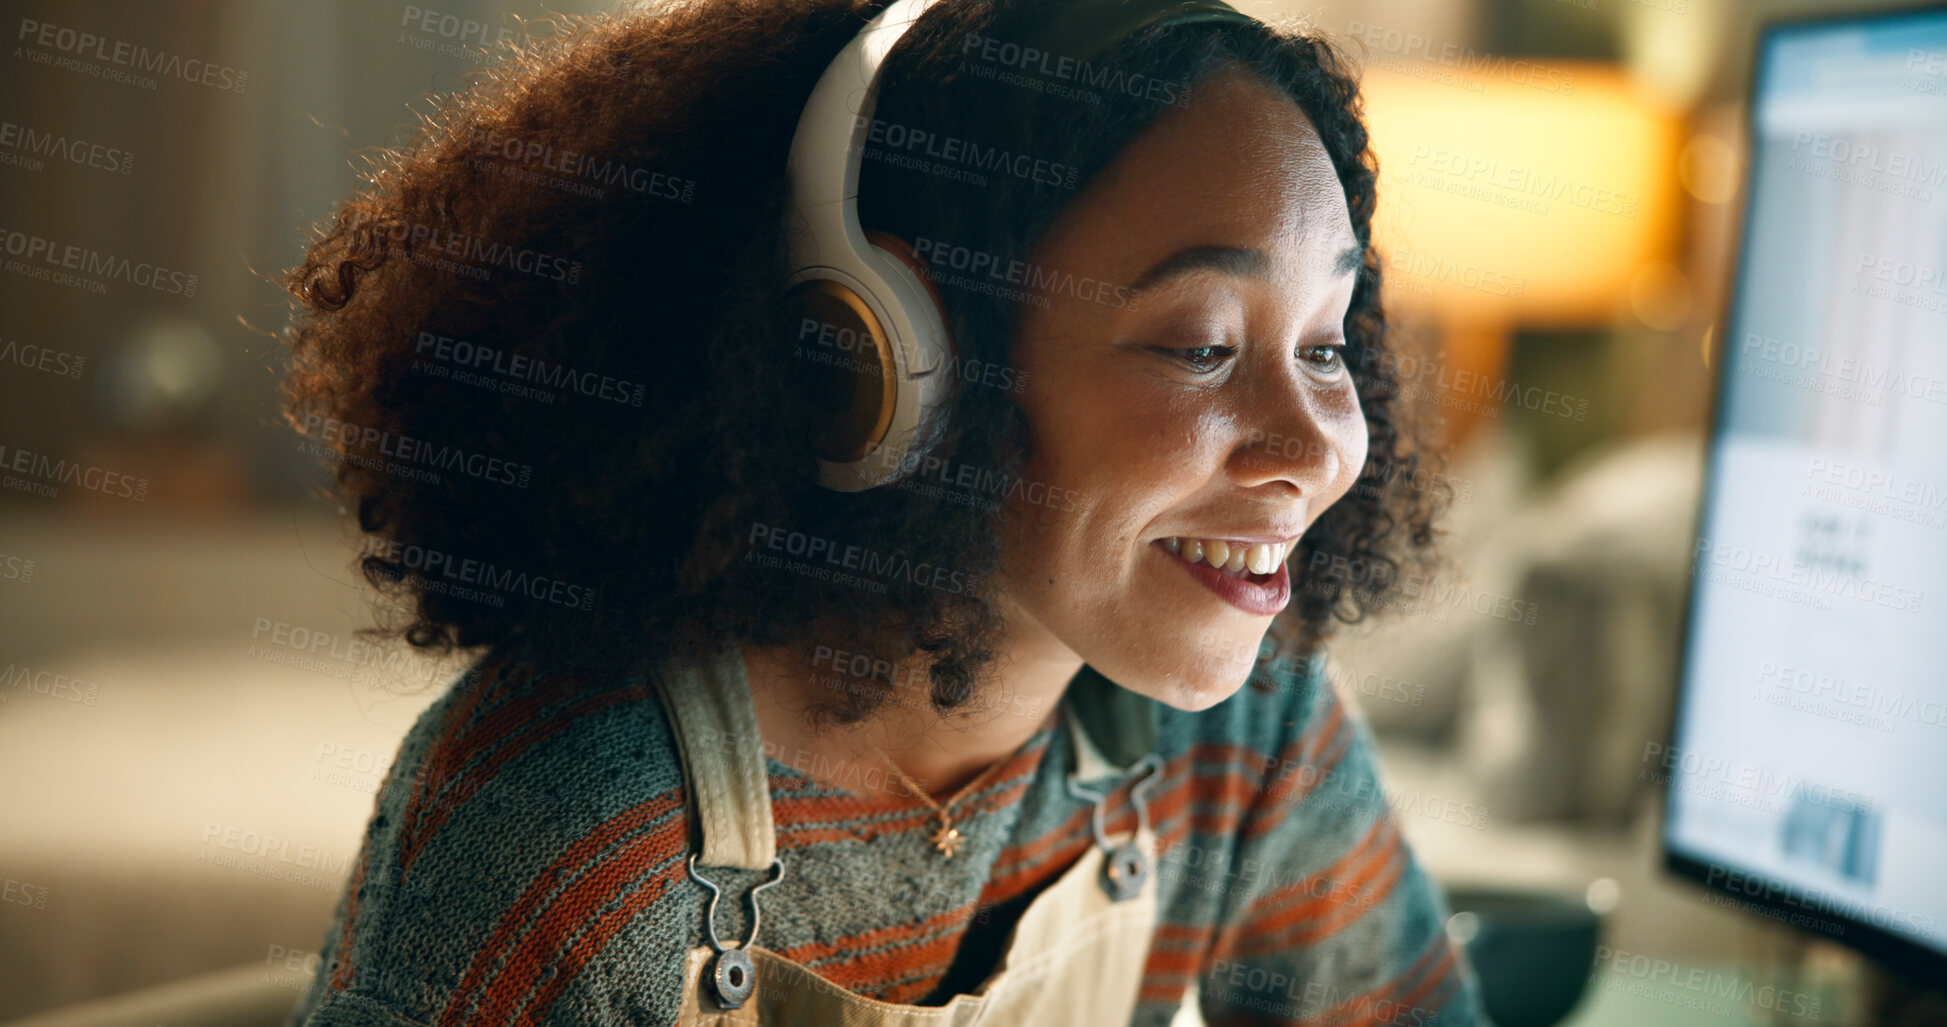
{"x": 1259, "y": 594}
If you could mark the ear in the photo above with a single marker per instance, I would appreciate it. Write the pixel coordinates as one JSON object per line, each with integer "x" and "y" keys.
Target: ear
{"x": 908, "y": 256}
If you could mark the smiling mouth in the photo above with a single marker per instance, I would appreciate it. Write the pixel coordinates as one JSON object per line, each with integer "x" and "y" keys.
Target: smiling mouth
{"x": 1258, "y": 593}
{"x": 1232, "y": 557}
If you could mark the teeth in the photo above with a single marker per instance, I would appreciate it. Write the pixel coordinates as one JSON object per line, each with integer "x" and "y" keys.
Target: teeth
{"x": 1229, "y": 557}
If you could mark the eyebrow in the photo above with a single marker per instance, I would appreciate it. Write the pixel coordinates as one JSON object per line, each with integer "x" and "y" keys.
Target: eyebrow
{"x": 1236, "y": 261}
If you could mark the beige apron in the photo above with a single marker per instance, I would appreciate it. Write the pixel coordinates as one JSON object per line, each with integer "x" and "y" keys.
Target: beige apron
{"x": 1075, "y": 957}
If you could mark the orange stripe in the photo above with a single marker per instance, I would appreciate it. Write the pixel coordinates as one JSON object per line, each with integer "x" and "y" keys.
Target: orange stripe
{"x": 1306, "y": 925}
{"x": 544, "y": 949}
{"x": 1169, "y": 795}
{"x": 478, "y": 776}
{"x": 870, "y": 974}
{"x": 1284, "y": 794}
{"x": 341, "y": 976}
{"x": 1357, "y": 1009}
{"x": 523, "y": 912}
{"x": 1173, "y": 968}
{"x": 1056, "y": 851}
{"x": 1295, "y": 902}
{"x": 999, "y": 888}
{"x": 1434, "y": 977}
{"x": 920, "y": 966}
{"x": 449, "y": 741}
{"x": 1224, "y": 799}
{"x": 813, "y": 952}
{"x": 789, "y": 809}
{"x": 460, "y": 720}
{"x": 1427, "y": 970}
{"x": 1221, "y": 796}
{"x": 1334, "y": 920}
{"x": 595, "y": 940}
{"x": 513, "y": 715}
{"x": 1166, "y": 994}
{"x": 1022, "y": 858}
{"x": 788, "y": 812}
{"x": 1226, "y": 796}
{"x": 805, "y": 810}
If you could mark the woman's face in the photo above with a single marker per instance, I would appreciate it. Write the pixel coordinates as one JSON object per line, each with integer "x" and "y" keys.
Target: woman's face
{"x": 1206, "y": 400}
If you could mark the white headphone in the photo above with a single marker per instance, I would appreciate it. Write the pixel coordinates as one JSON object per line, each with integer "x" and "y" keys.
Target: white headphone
{"x": 858, "y": 303}
{"x": 870, "y": 328}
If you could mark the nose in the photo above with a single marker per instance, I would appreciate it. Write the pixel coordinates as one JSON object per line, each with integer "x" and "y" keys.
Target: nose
{"x": 1298, "y": 434}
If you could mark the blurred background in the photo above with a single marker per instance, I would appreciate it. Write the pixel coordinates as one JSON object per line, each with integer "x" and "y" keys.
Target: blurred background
{"x": 191, "y": 798}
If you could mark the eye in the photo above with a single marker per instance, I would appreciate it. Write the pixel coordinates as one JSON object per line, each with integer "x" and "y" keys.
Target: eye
{"x": 1325, "y": 357}
{"x": 1203, "y": 359}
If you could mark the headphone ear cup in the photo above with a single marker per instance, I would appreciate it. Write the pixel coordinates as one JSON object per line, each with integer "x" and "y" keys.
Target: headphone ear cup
{"x": 920, "y": 421}
{"x": 903, "y": 251}
{"x": 908, "y": 280}
{"x": 848, "y": 371}
{"x": 874, "y": 385}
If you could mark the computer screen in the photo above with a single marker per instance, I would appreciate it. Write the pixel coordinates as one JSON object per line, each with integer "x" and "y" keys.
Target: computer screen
{"x": 1806, "y": 774}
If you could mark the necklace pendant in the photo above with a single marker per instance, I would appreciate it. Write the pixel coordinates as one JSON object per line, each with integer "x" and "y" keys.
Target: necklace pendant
{"x": 948, "y": 840}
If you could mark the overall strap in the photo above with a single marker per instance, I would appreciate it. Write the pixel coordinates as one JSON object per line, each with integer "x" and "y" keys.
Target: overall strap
{"x": 715, "y": 722}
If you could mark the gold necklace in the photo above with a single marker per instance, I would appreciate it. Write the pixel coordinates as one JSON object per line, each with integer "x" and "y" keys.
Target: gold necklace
{"x": 947, "y": 839}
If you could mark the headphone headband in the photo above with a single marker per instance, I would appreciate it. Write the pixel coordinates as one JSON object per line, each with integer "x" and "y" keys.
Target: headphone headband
{"x": 867, "y": 443}
{"x": 1083, "y": 30}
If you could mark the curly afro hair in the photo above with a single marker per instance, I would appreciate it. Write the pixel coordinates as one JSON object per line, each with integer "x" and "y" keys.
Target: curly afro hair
{"x": 545, "y": 347}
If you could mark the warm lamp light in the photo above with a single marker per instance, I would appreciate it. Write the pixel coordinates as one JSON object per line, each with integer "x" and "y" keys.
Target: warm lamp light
{"x": 1519, "y": 199}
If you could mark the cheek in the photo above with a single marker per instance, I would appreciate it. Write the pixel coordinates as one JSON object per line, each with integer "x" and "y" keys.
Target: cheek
{"x": 1129, "y": 447}
{"x": 1171, "y": 439}
{"x": 1357, "y": 450}
{"x": 1351, "y": 439}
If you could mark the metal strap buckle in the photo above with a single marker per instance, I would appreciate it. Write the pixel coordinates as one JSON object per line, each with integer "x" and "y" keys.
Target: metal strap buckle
{"x": 1126, "y": 868}
{"x": 731, "y": 973}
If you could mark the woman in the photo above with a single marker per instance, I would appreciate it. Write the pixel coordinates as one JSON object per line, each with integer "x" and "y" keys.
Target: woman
{"x": 971, "y": 745}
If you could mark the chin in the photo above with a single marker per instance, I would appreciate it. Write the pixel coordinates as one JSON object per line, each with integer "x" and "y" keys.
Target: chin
{"x": 1202, "y": 688}
{"x": 1190, "y": 666}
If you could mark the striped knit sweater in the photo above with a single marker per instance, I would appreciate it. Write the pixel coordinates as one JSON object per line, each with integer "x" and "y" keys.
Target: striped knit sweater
{"x": 525, "y": 864}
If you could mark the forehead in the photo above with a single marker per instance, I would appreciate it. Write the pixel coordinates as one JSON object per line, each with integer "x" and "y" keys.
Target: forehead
{"x": 1240, "y": 164}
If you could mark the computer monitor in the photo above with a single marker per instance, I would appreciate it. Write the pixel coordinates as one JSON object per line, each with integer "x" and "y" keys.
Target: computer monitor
{"x": 1806, "y": 772}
